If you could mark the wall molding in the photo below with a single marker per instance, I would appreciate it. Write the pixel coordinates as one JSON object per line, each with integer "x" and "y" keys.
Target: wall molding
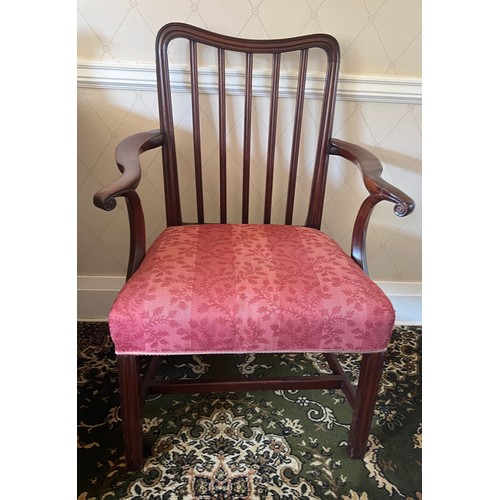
{"x": 142, "y": 77}
{"x": 96, "y": 294}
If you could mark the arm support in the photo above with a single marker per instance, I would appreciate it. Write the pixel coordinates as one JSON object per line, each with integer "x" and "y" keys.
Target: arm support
{"x": 379, "y": 190}
{"x": 127, "y": 157}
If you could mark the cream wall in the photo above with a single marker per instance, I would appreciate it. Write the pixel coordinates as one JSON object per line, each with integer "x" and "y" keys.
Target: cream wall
{"x": 379, "y": 107}
{"x": 377, "y": 37}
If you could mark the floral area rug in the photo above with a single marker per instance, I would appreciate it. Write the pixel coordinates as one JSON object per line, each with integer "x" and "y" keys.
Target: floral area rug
{"x": 255, "y": 445}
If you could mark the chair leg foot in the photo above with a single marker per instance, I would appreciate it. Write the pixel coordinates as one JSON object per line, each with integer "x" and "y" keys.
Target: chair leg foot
{"x": 128, "y": 373}
{"x": 364, "y": 405}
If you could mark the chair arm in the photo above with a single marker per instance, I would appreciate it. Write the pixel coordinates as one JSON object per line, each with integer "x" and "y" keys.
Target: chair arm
{"x": 371, "y": 168}
{"x": 379, "y": 190}
{"x": 127, "y": 158}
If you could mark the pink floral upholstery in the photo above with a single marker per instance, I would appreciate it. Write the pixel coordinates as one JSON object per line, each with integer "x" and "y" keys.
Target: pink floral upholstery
{"x": 249, "y": 288}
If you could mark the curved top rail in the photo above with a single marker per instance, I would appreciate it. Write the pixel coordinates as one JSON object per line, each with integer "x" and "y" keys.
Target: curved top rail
{"x": 258, "y": 46}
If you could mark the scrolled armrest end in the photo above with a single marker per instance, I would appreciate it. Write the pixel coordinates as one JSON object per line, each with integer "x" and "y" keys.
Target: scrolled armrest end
{"x": 107, "y": 203}
{"x": 404, "y": 208}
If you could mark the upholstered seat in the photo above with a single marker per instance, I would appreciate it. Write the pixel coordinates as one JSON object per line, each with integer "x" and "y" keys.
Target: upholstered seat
{"x": 249, "y": 288}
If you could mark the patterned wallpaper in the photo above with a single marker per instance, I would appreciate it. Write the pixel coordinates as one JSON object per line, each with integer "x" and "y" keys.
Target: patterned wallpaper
{"x": 378, "y": 38}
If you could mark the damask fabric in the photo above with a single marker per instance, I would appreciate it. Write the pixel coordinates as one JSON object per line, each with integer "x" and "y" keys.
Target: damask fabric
{"x": 249, "y": 288}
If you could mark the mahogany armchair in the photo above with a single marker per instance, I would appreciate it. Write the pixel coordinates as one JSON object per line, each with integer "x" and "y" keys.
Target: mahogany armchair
{"x": 276, "y": 285}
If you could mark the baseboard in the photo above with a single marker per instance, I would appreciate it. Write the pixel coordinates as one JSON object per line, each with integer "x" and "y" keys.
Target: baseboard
{"x": 406, "y": 298}
{"x": 96, "y": 295}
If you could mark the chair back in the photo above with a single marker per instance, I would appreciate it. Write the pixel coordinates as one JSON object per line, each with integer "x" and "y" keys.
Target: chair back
{"x": 245, "y": 145}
